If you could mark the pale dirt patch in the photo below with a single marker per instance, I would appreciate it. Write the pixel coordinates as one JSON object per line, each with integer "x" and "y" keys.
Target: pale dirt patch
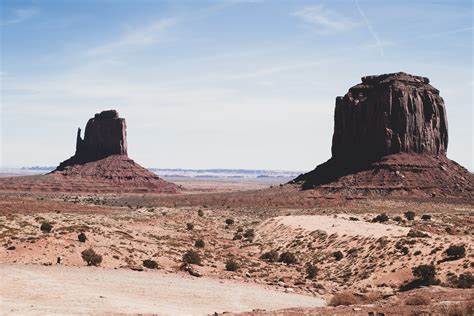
{"x": 39, "y": 290}
{"x": 339, "y": 225}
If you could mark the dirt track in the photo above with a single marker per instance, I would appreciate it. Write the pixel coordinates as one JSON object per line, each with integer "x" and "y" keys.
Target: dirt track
{"x": 39, "y": 290}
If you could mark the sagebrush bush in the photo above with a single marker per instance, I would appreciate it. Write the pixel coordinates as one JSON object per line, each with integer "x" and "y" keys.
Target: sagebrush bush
{"x": 270, "y": 256}
{"x": 82, "y": 237}
{"x": 150, "y": 264}
{"x": 91, "y": 257}
{"x": 344, "y": 298}
{"x": 311, "y": 270}
{"x": 338, "y": 255}
{"x": 456, "y": 252}
{"x": 416, "y": 300}
{"x": 409, "y": 215}
{"x": 192, "y": 257}
{"x": 46, "y": 227}
{"x": 288, "y": 258}
{"x": 199, "y": 243}
{"x": 231, "y": 265}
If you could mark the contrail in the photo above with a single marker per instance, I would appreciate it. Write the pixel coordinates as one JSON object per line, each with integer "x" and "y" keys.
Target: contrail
{"x": 371, "y": 30}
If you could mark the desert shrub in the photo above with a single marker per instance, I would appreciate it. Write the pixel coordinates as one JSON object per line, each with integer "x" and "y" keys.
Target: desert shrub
{"x": 11, "y": 248}
{"x": 456, "y": 252}
{"x": 409, "y": 215}
{"x": 150, "y": 264}
{"x": 200, "y": 213}
{"x": 192, "y": 257}
{"x": 189, "y": 226}
{"x": 344, "y": 298}
{"x": 240, "y": 229}
{"x": 405, "y": 250}
{"x": 338, "y": 255}
{"x": 231, "y": 265}
{"x": 417, "y": 253}
{"x": 229, "y": 221}
{"x": 425, "y": 272}
{"x": 46, "y": 227}
{"x": 381, "y": 218}
{"x": 270, "y": 256}
{"x": 199, "y": 243}
{"x": 91, "y": 257}
{"x": 414, "y": 233}
{"x": 426, "y": 217}
{"x": 288, "y": 258}
{"x": 398, "y": 219}
{"x": 311, "y": 270}
{"x": 237, "y": 237}
{"x": 352, "y": 218}
{"x": 465, "y": 280}
{"x": 416, "y": 300}
{"x": 249, "y": 233}
{"x": 82, "y": 237}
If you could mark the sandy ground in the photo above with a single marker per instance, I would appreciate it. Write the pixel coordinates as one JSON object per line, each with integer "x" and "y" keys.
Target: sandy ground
{"x": 39, "y": 290}
{"x": 341, "y": 226}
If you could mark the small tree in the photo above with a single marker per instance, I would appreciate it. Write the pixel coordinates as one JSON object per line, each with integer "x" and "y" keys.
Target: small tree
{"x": 46, "y": 227}
{"x": 192, "y": 257}
{"x": 456, "y": 252}
{"x": 82, "y": 237}
{"x": 91, "y": 257}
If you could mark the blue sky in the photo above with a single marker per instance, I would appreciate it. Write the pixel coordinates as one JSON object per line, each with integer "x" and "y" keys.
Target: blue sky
{"x": 219, "y": 84}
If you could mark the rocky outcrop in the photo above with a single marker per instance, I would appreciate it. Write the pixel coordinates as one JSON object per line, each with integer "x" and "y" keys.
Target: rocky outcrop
{"x": 390, "y": 133}
{"x": 389, "y": 114}
{"x": 105, "y": 135}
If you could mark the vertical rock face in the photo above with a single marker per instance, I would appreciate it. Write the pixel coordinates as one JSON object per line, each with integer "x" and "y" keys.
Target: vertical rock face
{"x": 105, "y": 135}
{"x": 389, "y": 114}
{"x": 390, "y": 135}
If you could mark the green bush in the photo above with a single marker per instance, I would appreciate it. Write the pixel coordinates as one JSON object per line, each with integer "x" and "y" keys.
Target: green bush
{"x": 288, "y": 258}
{"x": 270, "y": 256}
{"x": 46, "y": 227}
{"x": 231, "y": 265}
{"x": 91, "y": 257}
{"x": 82, "y": 237}
{"x": 150, "y": 264}
{"x": 456, "y": 252}
{"x": 199, "y": 243}
{"x": 192, "y": 257}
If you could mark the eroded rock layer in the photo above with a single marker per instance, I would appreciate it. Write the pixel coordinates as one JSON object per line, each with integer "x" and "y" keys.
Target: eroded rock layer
{"x": 390, "y": 135}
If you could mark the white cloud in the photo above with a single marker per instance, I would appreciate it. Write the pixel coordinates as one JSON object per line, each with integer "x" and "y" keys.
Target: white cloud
{"x": 20, "y": 15}
{"x": 137, "y": 38}
{"x": 325, "y": 19}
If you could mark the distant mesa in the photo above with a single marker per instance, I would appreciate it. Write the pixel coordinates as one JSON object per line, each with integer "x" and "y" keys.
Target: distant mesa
{"x": 99, "y": 165}
{"x": 390, "y": 136}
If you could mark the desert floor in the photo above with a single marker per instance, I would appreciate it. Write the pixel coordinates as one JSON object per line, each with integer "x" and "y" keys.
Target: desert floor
{"x": 237, "y": 225}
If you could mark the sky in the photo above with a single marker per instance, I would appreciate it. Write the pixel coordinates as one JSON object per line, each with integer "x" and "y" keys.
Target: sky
{"x": 219, "y": 84}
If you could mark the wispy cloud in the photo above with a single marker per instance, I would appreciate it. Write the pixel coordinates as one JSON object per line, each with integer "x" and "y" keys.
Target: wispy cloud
{"x": 137, "y": 38}
{"x": 378, "y": 42}
{"x": 326, "y": 19}
{"x": 20, "y": 15}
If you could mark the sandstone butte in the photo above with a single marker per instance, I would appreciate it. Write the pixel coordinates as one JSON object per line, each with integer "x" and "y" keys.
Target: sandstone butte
{"x": 99, "y": 165}
{"x": 390, "y": 137}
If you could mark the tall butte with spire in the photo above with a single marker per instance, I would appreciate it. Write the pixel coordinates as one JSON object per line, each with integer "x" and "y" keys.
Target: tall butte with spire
{"x": 390, "y": 137}
{"x": 100, "y": 165}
